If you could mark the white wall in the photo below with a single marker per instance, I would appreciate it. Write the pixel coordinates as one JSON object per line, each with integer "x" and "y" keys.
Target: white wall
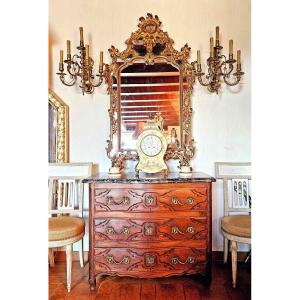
{"x": 221, "y": 123}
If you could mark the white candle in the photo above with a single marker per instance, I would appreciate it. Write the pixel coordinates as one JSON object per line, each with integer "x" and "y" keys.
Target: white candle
{"x": 198, "y": 57}
{"x": 211, "y": 47}
{"x": 230, "y": 47}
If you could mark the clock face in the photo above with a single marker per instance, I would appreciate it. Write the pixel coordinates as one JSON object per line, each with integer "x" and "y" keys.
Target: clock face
{"x": 151, "y": 145}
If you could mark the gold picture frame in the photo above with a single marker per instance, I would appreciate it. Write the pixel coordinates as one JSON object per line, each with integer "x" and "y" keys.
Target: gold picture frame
{"x": 61, "y": 128}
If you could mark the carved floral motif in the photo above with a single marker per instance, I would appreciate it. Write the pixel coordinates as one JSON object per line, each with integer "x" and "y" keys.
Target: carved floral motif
{"x": 148, "y": 43}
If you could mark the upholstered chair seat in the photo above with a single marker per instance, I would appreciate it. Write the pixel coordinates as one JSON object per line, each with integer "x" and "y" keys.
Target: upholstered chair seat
{"x": 65, "y": 199}
{"x": 237, "y": 225}
{"x": 65, "y": 227}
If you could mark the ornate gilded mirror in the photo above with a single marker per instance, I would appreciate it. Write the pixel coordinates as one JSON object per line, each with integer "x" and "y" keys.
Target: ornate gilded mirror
{"x": 58, "y": 126}
{"x": 147, "y": 79}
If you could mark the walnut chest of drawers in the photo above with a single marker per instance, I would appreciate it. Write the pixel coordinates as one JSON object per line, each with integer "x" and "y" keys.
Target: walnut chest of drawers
{"x": 148, "y": 228}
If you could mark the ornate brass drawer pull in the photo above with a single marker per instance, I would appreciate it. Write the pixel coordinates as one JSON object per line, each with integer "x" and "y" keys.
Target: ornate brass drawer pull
{"x": 189, "y": 229}
{"x": 111, "y": 260}
{"x": 125, "y": 230}
{"x": 176, "y": 201}
{"x": 189, "y": 200}
{"x": 190, "y": 260}
{"x": 111, "y": 201}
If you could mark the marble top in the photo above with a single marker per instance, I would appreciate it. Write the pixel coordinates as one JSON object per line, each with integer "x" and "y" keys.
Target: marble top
{"x": 149, "y": 178}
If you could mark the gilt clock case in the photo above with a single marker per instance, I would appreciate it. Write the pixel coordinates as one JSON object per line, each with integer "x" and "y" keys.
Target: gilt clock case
{"x": 151, "y": 156}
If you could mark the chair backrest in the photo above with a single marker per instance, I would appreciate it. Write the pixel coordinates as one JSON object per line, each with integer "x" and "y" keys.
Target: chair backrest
{"x": 236, "y": 188}
{"x": 66, "y": 188}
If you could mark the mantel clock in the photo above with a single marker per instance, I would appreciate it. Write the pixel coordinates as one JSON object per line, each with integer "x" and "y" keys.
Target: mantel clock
{"x": 151, "y": 148}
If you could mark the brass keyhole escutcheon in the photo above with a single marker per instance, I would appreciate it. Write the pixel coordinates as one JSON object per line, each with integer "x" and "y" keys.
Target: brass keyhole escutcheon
{"x": 149, "y": 200}
{"x": 149, "y": 230}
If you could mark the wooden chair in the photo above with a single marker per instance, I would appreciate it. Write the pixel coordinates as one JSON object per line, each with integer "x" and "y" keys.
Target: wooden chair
{"x": 237, "y": 199}
{"x": 66, "y": 203}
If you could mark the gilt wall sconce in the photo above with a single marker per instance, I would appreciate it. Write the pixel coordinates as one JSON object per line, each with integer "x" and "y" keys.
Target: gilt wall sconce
{"x": 219, "y": 66}
{"x": 80, "y": 66}
{"x": 220, "y": 69}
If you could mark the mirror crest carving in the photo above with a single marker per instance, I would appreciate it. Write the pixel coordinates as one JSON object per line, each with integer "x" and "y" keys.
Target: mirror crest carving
{"x": 150, "y": 49}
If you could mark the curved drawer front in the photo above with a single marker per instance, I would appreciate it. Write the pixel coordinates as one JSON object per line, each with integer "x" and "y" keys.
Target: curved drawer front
{"x": 147, "y": 261}
{"x": 151, "y": 200}
{"x": 150, "y": 230}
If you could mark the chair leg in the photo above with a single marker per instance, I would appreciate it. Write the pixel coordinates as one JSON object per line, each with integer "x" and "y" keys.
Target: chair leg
{"x": 248, "y": 256}
{"x": 69, "y": 249}
{"x": 80, "y": 252}
{"x": 225, "y": 250}
{"x": 234, "y": 262}
{"x": 51, "y": 257}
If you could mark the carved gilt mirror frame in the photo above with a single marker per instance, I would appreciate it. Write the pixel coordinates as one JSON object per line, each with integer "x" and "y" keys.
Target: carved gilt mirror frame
{"x": 157, "y": 45}
{"x": 59, "y": 129}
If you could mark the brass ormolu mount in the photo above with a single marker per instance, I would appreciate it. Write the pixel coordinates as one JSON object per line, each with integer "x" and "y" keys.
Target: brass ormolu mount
{"x": 219, "y": 66}
{"x": 81, "y": 66}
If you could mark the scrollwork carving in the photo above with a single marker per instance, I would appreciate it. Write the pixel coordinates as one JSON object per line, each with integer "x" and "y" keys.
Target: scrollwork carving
{"x": 149, "y": 43}
{"x": 62, "y": 138}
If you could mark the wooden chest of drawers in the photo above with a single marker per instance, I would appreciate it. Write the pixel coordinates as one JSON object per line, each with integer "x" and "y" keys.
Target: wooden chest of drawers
{"x": 150, "y": 228}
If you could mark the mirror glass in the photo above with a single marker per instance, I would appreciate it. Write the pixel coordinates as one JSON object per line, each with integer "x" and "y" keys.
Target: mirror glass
{"x": 52, "y": 116}
{"x": 146, "y": 90}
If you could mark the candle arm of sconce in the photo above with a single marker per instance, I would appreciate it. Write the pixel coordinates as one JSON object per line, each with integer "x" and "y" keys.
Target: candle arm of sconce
{"x": 67, "y": 83}
{"x": 232, "y": 83}
{"x": 100, "y": 75}
{"x": 73, "y": 68}
{"x": 100, "y": 80}
{"x": 76, "y": 66}
{"x": 223, "y": 57}
{"x": 199, "y": 74}
{"x": 226, "y": 71}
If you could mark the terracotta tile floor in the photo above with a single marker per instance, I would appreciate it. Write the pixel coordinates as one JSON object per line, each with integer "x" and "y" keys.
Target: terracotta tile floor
{"x": 179, "y": 288}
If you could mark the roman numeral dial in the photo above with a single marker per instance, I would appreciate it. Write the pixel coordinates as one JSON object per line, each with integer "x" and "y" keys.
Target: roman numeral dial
{"x": 151, "y": 145}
